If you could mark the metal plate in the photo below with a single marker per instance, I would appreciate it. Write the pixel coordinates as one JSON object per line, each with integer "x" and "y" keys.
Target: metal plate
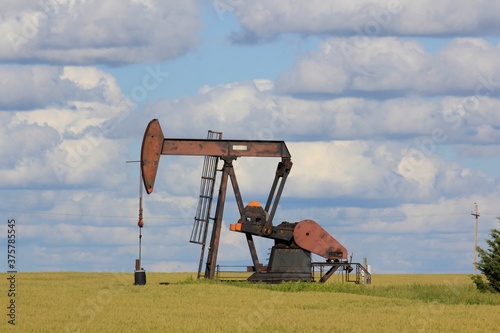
{"x": 152, "y": 144}
{"x": 310, "y": 236}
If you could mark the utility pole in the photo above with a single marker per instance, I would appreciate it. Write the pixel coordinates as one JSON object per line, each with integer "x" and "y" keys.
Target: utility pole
{"x": 476, "y": 214}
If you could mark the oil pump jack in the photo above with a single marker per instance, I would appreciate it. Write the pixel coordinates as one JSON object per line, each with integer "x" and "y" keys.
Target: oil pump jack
{"x": 290, "y": 258}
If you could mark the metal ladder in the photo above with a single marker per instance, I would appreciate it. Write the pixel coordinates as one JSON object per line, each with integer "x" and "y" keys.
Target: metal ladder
{"x": 202, "y": 218}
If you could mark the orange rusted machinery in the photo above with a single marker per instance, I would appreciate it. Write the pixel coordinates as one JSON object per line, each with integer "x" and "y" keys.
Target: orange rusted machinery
{"x": 290, "y": 258}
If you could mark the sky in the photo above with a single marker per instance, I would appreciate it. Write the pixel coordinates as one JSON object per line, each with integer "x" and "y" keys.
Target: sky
{"x": 390, "y": 110}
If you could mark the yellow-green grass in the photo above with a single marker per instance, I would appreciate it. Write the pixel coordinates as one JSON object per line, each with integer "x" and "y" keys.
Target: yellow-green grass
{"x": 109, "y": 302}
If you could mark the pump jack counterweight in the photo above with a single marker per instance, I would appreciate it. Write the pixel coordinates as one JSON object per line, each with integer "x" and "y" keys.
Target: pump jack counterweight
{"x": 294, "y": 242}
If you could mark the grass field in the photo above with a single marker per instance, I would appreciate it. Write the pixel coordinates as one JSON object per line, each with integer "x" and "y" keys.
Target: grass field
{"x": 109, "y": 302}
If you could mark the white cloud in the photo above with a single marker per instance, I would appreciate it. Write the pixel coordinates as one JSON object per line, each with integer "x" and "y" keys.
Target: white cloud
{"x": 374, "y": 127}
{"x": 240, "y": 110}
{"x": 265, "y": 20}
{"x": 90, "y": 32}
{"x": 325, "y": 173}
{"x": 39, "y": 87}
{"x": 64, "y": 134}
{"x": 243, "y": 112}
{"x": 30, "y": 87}
{"x": 394, "y": 67}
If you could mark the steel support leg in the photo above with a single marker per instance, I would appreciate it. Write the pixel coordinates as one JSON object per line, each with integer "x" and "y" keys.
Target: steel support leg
{"x": 219, "y": 212}
{"x": 241, "y": 207}
{"x": 273, "y": 199}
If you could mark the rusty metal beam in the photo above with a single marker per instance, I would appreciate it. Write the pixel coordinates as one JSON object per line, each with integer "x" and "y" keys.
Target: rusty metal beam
{"x": 225, "y": 148}
{"x": 241, "y": 207}
{"x": 274, "y": 197}
{"x": 219, "y": 213}
{"x": 155, "y": 144}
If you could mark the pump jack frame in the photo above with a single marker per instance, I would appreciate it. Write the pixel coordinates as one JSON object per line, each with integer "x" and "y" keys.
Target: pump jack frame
{"x": 155, "y": 144}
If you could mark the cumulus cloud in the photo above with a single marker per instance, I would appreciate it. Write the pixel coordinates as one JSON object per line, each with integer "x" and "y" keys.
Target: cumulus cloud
{"x": 38, "y": 87}
{"x": 267, "y": 115}
{"x": 90, "y": 32}
{"x": 381, "y": 166}
{"x": 227, "y": 107}
{"x": 367, "y": 148}
{"x": 394, "y": 67}
{"x": 264, "y": 20}
{"x": 373, "y": 126}
{"x": 65, "y": 135}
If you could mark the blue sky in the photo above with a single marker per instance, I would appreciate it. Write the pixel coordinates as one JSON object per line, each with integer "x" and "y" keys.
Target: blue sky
{"x": 389, "y": 109}
{"x": 218, "y": 61}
